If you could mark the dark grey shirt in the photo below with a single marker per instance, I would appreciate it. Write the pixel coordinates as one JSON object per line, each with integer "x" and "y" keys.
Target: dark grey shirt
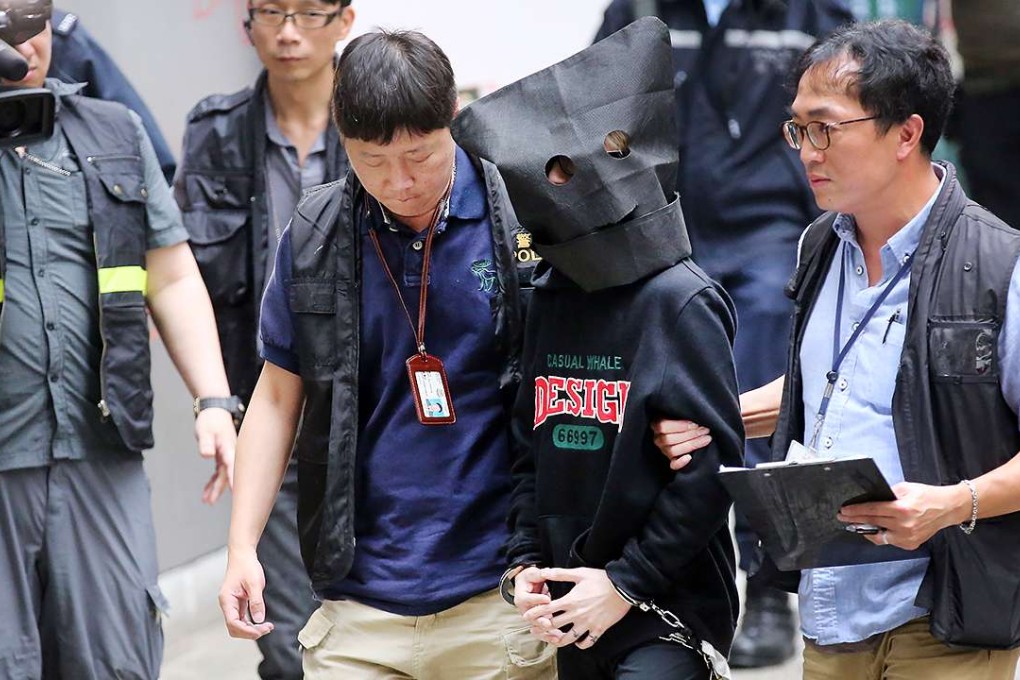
{"x": 50, "y": 345}
{"x": 286, "y": 178}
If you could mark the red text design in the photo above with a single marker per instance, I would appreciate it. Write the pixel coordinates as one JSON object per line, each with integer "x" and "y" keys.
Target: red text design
{"x": 601, "y": 400}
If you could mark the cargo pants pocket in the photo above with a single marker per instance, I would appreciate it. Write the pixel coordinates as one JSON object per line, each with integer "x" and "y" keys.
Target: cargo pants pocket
{"x": 528, "y": 658}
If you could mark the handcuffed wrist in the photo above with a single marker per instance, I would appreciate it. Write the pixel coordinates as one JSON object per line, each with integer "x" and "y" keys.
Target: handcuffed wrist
{"x": 623, "y": 594}
{"x": 506, "y": 582}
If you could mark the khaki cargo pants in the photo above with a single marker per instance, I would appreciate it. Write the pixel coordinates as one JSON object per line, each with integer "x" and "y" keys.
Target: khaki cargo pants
{"x": 908, "y": 652}
{"x": 481, "y": 639}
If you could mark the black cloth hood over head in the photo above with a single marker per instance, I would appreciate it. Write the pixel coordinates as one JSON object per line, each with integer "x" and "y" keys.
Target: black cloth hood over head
{"x": 617, "y": 219}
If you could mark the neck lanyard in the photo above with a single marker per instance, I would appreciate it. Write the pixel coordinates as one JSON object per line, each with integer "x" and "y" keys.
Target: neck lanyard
{"x": 430, "y": 388}
{"x": 838, "y": 355}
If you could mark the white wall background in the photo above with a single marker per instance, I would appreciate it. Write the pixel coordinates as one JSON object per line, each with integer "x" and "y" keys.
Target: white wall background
{"x": 176, "y": 51}
{"x": 489, "y": 41}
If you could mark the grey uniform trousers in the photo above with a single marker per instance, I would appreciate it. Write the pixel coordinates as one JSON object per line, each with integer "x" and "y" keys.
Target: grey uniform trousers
{"x": 78, "y": 593}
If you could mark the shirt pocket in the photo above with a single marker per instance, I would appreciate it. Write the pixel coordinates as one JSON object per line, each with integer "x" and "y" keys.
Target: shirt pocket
{"x": 878, "y": 366}
{"x": 62, "y": 191}
{"x": 122, "y": 176}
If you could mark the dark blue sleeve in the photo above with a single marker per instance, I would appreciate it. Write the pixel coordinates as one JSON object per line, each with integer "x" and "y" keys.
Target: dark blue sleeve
{"x": 617, "y": 15}
{"x": 276, "y": 322}
{"x": 78, "y": 58}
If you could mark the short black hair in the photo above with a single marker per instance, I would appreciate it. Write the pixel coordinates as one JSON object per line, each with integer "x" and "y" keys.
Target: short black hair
{"x": 388, "y": 81}
{"x": 900, "y": 70}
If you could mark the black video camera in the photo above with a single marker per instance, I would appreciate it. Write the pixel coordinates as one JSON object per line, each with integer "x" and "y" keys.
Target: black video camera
{"x": 26, "y": 115}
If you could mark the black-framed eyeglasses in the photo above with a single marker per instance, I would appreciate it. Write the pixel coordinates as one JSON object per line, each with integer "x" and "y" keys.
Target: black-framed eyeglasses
{"x": 306, "y": 19}
{"x": 816, "y": 131}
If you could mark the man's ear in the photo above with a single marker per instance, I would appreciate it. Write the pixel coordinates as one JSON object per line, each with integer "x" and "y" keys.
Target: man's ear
{"x": 346, "y": 20}
{"x": 247, "y": 30}
{"x": 910, "y": 134}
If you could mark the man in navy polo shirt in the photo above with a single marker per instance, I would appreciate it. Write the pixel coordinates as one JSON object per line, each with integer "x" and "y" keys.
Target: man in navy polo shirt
{"x": 391, "y": 330}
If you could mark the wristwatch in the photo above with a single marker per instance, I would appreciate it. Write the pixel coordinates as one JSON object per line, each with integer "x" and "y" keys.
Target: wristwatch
{"x": 232, "y": 405}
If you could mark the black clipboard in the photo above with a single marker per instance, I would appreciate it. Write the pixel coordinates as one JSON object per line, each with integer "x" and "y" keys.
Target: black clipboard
{"x": 793, "y": 506}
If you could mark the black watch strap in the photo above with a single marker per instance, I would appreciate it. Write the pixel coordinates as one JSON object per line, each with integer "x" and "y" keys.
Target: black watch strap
{"x": 232, "y": 404}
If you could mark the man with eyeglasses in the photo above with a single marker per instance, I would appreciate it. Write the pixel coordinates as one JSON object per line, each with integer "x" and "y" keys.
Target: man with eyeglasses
{"x": 907, "y": 302}
{"x": 247, "y": 158}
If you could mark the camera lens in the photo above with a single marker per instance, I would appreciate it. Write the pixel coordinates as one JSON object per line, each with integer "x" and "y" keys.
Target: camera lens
{"x": 12, "y": 118}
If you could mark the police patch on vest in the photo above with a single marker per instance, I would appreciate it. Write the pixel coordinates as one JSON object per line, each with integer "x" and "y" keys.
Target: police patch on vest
{"x": 522, "y": 248}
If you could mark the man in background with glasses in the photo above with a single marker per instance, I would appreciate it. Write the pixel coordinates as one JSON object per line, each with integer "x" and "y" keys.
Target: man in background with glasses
{"x": 247, "y": 158}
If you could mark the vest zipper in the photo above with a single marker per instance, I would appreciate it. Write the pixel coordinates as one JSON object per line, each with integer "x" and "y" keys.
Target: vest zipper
{"x": 104, "y": 408}
{"x": 94, "y": 160}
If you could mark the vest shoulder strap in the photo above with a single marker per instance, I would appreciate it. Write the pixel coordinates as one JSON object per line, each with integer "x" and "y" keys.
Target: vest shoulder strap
{"x": 313, "y": 228}
{"x": 219, "y": 103}
{"x": 96, "y": 127}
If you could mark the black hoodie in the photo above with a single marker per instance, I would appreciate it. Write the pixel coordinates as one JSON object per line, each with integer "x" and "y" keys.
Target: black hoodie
{"x": 591, "y": 488}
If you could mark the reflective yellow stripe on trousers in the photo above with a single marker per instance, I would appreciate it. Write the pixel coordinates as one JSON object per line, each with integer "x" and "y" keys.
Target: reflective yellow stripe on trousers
{"x": 1, "y": 290}
{"x": 120, "y": 280}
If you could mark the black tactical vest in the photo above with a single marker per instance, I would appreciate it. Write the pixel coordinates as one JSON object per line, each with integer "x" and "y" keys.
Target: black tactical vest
{"x": 221, "y": 189}
{"x": 105, "y": 140}
{"x": 324, "y": 297}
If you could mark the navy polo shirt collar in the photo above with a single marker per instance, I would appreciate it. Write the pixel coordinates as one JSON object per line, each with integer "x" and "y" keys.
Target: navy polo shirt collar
{"x": 468, "y": 200}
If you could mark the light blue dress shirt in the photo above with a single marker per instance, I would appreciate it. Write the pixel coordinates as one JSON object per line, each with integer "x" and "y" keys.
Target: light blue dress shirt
{"x": 852, "y": 603}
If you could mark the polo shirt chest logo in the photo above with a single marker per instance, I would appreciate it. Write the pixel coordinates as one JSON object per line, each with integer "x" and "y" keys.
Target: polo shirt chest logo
{"x": 486, "y": 274}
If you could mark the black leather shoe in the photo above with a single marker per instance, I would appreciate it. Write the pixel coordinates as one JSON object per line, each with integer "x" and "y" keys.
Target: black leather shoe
{"x": 766, "y": 634}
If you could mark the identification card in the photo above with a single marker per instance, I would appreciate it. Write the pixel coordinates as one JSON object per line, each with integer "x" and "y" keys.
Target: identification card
{"x": 431, "y": 390}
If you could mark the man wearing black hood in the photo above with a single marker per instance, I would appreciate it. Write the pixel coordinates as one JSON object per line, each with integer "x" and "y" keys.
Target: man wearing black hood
{"x": 746, "y": 202}
{"x": 625, "y": 565}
